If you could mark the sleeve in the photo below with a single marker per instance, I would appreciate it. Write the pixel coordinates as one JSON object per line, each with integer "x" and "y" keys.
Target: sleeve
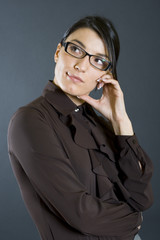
{"x": 135, "y": 179}
{"x": 32, "y": 141}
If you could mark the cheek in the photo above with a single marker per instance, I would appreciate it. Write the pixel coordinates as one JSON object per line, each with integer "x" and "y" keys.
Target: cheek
{"x": 90, "y": 86}
{"x": 92, "y": 83}
{"x": 63, "y": 63}
{"x": 59, "y": 64}
{"x": 59, "y": 68}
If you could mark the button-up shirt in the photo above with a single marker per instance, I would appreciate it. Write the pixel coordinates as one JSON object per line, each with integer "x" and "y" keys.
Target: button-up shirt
{"x": 77, "y": 178}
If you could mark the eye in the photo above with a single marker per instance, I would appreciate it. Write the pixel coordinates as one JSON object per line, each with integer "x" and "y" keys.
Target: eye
{"x": 75, "y": 50}
{"x": 99, "y": 61}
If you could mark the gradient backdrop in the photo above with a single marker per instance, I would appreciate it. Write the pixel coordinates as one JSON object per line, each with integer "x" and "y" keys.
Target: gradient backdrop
{"x": 29, "y": 33}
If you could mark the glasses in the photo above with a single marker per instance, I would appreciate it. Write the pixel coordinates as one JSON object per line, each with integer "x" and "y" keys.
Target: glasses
{"x": 97, "y": 61}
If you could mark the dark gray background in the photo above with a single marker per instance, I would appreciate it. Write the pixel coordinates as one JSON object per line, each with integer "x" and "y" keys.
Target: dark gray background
{"x": 29, "y": 33}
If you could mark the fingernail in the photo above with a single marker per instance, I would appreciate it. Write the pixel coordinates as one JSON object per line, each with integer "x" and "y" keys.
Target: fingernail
{"x": 99, "y": 87}
{"x": 98, "y": 79}
{"x": 78, "y": 96}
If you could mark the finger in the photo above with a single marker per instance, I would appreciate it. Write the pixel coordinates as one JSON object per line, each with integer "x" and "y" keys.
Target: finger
{"x": 107, "y": 75}
{"x": 102, "y": 80}
{"x": 110, "y": 80}
{"x": 114, "y": 82}
{"x": 100, "y": 85}
{"x": 104, "y": 76}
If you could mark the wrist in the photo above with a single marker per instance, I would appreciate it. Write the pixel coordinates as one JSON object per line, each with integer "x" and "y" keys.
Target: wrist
{"x": 123, "y": 127}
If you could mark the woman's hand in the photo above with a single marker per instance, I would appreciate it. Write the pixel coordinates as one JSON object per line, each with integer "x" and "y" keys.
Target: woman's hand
{"x": 111, "y": 105}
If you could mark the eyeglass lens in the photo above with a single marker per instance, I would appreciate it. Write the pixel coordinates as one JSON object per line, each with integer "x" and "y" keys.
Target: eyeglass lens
{"x": 97, "y": 61}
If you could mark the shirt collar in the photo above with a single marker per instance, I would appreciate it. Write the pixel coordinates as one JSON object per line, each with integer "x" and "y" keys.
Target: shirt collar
{"x": 58, "y": 99}
{"x": 63, "y": 104}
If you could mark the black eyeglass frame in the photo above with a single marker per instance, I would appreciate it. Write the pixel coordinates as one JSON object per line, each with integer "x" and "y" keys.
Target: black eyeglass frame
{"x": 65, "y": 45}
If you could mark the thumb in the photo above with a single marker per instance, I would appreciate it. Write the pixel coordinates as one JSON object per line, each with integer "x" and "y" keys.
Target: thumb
{"x": 93, "y": 102}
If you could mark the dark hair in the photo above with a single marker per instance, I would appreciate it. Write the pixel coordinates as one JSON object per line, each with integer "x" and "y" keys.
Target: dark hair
{"x": 105, "y": 29}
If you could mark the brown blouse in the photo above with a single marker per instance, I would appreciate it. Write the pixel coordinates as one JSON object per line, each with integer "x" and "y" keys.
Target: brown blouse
{"x": 78, "y": 180}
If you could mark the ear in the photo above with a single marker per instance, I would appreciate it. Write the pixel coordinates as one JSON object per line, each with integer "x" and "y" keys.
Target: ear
{"x": 56, "y": 55}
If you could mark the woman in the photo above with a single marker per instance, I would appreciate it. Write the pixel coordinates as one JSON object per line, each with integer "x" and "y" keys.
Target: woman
{"x": 81, "y": 176}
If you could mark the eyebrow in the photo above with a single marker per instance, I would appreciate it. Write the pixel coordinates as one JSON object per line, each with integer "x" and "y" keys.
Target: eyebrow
{"x": 82, "y": 45}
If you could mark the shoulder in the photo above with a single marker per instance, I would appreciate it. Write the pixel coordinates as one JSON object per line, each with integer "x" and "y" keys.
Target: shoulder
{"x": 27, "y": 118}
{"x": 29, "y": 128}
{"x": 33, "y": 112}
{"x": 25, "y": 115}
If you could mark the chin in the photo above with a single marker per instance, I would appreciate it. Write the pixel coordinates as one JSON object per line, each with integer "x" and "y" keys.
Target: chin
{"x": 72, "y": 90}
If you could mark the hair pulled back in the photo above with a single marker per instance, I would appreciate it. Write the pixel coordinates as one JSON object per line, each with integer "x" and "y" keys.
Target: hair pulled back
{"x": 106, "y": 31}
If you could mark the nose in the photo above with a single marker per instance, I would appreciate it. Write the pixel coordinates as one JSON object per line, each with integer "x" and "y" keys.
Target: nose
{"x": 82, "y": 64}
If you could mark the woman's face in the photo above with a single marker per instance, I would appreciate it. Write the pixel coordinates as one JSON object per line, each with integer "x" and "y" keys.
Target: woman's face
{"x": 75, "y": 76}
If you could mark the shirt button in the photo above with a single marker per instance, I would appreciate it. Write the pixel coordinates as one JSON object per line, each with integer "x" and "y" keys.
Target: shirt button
{"x": 76, "y": 110}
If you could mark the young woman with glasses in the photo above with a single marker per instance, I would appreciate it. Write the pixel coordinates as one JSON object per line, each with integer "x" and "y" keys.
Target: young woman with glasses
{"x": 82, "y": 176}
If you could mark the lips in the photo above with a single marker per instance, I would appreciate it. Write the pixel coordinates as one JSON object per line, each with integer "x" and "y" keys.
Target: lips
{"x": 74, "y": 78}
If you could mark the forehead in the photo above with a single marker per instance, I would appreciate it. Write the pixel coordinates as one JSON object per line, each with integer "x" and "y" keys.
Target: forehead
{"x": 90, "y": 39}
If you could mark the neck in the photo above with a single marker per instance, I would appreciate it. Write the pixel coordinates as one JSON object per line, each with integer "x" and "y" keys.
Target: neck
{"x": 74, "y": 99}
